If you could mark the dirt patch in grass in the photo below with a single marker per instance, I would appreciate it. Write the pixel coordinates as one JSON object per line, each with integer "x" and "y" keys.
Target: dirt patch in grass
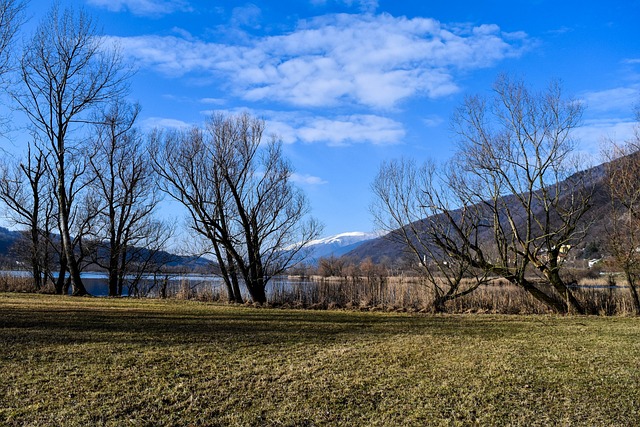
{"x": 88, "y": 361}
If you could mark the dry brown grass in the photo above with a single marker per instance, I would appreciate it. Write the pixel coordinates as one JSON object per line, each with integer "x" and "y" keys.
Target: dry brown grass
{"x": 401, "y": 294}
{"x": 68, "y": 361}
{"x": 12, "y": 283}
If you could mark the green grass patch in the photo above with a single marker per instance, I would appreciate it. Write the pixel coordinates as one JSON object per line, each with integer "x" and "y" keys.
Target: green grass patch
{"x": 90, "y": 361}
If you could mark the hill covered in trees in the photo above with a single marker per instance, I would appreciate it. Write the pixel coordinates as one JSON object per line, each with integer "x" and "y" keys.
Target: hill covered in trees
{"x": 590, "y": 246}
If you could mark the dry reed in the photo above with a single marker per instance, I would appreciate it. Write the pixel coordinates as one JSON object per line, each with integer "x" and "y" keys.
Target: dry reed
{"x": 606, "y": 295}
{"x": 414, "y": 295}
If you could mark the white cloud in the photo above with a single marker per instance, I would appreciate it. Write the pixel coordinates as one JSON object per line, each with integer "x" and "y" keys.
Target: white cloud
{"x": 366, "y": 6}
{"x": 307, "y": 179}
{"x": 593, "y": 133}
{"x": 351, "y": 129}
{"x": 620, "y": 99}
{"x": 292, "y": 127}
{"x": 163, "y": 123}
{"x": 246, "y": 16}
{"x": 375, "y": 61}
{"x": 212, "y": 101}
{"x": 433, "y": 121}
{"x": 143, "y": 7}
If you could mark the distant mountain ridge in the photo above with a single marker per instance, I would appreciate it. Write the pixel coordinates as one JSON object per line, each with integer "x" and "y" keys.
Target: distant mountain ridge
{"x": 9, "y": 256}
{"x": 598, "y": 217}
{"x": 337, "y": 245}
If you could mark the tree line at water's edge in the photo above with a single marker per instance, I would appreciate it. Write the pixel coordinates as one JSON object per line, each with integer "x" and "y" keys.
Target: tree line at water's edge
{"x": 89, "y": 188}
{"x": 515, "y": 202}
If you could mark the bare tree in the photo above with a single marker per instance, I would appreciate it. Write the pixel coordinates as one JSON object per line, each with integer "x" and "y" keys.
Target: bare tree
{"x": 11, "y": 17}
{"x": 240, "y": 197}
{"x": 404, "y": 209}
{"x": 331, "y": 266}
{"x": 65, "y": 73}
{"x": 21, "y": 190}
{"x": 512, "y": 202}
{"x": 125, "y": 187}
{"x": 189, "y": 175}
{"x": 622, "y": 180}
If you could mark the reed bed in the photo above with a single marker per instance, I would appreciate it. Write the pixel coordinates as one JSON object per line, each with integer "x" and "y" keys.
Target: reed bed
{"x": 415, "y": 295}
{"x": 9, "y": 282}
{"x": 606, "y": 295}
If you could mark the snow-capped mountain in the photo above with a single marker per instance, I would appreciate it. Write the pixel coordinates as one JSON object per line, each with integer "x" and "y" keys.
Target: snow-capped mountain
{"x": 337, "y": 245}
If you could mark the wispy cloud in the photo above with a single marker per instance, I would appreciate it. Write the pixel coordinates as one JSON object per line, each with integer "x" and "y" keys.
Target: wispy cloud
{"x": 366, "y": 6}
{"x": 620, "y": 99}
{"x": 593, "y": 133}
{"x": 609, "y": 116}
{"x": 560, "y": 31}
{"x": 163, "y": 123}
{"x": 212, "y": 101}
{"x": 293, "y": 127}
{"x": 307, "y": 179}
{"x": 375, "y": 61}
{"x": 335, "y": 131}
{"x": 246, "y": 16}
{"x": 151, "y": 8}
{"x": 433, "y": 121}
{"x": 352, "y": 129}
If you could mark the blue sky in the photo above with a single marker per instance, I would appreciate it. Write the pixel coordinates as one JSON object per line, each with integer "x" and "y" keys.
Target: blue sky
{"x": 347, "y": 83}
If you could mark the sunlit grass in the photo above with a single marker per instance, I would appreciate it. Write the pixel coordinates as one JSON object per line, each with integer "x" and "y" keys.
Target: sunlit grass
{"x": 89, "y": 361}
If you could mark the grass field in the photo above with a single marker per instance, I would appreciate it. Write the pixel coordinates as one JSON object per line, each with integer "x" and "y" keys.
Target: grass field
{"x": 88, "y": 361}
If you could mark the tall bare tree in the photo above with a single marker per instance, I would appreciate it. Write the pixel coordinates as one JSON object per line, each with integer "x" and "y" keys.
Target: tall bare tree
{"x": 188, "y": 176}
{"x": 125, "y": 186}
{"x": 65, "y": 73}
{"x": 623, "y": 183}
{"x": 22, "y": 190}
{"x": 513, "y": 201}
{"x": 239, "y": 195}
{"x": 403, "y": 209}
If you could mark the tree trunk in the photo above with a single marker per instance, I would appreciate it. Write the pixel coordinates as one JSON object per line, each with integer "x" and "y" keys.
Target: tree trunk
{"x": 113, "y": 272}
{"x": 634, "y": 293}
{"x": 66, "y": 286}
{"x": 257, "y": 291}
{"x": 562, "y": 289}
{"x": 113, "y": 283}
{"x": 230, "y": 296}
{"x": 573, "y": 302}
{"x": 77, "y": 286}
{"x": 439, "y": 304}
{"x": 233, "y": 277}
{"x": 62, "y": 272}
{"x": 37, "y": 272}
{"x": 233, "y": 288}
{"x": 556, "y": 304}
{"x": 229, "y": 274}
{"x": 236, "y": 289}
{"x": 63, "y": 225}
{"x": 36, "y": 263}
{"x": 163, "y": 287}
{"x": 65, "y": 234}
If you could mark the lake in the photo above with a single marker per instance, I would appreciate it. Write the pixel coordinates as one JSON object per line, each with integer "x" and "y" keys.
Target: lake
{"x": 187, "y": 284}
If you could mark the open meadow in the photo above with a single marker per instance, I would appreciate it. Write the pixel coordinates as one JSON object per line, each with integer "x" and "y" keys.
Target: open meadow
{"x": 99, "y": 361}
